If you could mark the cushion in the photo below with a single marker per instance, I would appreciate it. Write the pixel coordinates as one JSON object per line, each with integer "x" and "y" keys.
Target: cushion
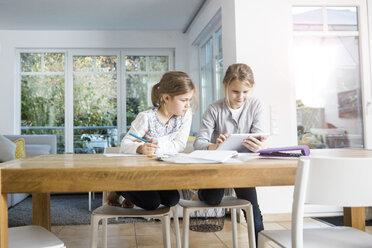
{"x": 7, "y": 149}
{"x": 20, "y": 151}
{"x": 33, "y": 149}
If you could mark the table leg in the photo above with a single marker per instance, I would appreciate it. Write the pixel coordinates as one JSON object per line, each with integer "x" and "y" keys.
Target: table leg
{"x": 3, "y": 220}
{"x": 41, "y": 210}
{"x": 355, "y": 217}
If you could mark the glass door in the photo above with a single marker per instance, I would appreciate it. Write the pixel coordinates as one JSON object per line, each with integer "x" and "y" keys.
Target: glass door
{"x": 327, "y": 77}
{"x": 95, "y": 115}
{"x": 42, "y": 76}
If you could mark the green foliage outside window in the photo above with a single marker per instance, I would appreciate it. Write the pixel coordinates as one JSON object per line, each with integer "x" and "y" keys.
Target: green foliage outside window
{"x": 94, "y": 93}
{"x": 142, "y": 73}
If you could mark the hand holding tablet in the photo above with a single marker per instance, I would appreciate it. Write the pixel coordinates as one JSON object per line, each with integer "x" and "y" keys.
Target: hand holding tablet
{"x": 234, "y": 141}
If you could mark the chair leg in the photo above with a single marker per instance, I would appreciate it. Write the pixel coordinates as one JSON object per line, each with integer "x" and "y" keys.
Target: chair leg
{"x": 238, "y": 215}
{"x": 176, "y": 225}
{"x": 186, "y": 223}
{"x": 104, "y": 232}
{"x": 89, "y": 201}
{"x": 94, "y": 231}
{"x": 166, "y": 231}
{"x": 234, "y": 228}
{"x": 104, "y": 197}
{"x": 250, "y": 226}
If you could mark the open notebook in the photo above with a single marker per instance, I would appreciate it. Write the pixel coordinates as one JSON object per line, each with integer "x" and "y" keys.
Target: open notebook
{"x": 201, "y": 156}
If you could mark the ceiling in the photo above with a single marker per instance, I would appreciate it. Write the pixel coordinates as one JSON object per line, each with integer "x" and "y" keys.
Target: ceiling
{"x": 97, "y": 14}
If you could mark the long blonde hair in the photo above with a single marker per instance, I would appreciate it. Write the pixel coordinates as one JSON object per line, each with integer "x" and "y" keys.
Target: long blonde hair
{"x": 240, "y": 72}
{"x": 173, "y": 83}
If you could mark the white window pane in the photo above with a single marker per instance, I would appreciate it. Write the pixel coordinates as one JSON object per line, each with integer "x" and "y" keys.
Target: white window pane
{"x": 106, "y": 63}
{"x": 31, "y": 62}
{"x": 158, "y": 63}
{"x": 207, "y": 96}
{"x": 342, "y": 18}
{"x": 219, "y": 63}
{"x": 54, "y": 62}
{"x": 327, "y": 78}
{"x": 43, "y": 96}
{"x": 95, "y": 103}
{"x": 135, "y": 63}
{"x": 307, "y": 18}
{"x": 83, "y": 63}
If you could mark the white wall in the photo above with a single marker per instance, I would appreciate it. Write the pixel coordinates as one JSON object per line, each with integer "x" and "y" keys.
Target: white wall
{"x": 264, "y": 41}
{"x": 11, "y": 40}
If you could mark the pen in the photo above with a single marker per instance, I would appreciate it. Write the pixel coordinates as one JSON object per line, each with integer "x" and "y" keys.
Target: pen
{"x": 135, "y": 136}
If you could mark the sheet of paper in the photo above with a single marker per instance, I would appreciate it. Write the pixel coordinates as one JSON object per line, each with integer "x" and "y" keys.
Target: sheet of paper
{"x": 122, "y": 155}
{"x": 185, "y": 159}
{"x": 214, "y": 155}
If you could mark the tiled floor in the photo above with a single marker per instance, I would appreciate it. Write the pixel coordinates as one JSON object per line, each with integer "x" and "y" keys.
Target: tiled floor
{"x": 149, "y": 235}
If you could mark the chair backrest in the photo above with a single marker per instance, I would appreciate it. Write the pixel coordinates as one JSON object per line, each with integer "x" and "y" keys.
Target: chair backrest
{"x": 337, "y": 181}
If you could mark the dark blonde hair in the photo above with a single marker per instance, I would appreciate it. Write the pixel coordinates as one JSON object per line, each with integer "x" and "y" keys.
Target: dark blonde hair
{"x": 173, "y": 83}
{"x": 238, "y": 72}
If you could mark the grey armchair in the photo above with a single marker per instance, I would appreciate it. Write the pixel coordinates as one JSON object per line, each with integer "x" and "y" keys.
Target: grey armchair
{"x": 37, "y": 144}
{"x": 34, "y": 145}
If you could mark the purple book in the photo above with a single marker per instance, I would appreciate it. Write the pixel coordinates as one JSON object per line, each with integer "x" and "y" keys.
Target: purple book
{"x": 284, "y": 151}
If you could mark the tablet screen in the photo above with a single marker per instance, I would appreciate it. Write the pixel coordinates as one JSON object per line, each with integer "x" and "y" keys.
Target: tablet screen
{"x": 234, "y": 141}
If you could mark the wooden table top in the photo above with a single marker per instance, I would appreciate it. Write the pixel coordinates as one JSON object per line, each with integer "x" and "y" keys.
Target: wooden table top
{"x": 96, "y": 172}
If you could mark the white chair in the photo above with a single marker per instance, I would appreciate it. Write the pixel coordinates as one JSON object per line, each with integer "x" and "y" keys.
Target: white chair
{"x": 106, "y": 212}
{"x": 90, "y": 200}
{"x": 227, "y": 202}
{"x": 33, "y": 237}
{"x": 327, "y": 181}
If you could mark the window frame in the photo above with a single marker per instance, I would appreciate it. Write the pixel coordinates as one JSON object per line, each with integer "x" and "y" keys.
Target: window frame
{"x": 364, "y": 52}
{"x": 69, "y": 54}
{"x": 209, "y": 33}
{"x": 18, "y": 76}
{"x": 69, "y": 96}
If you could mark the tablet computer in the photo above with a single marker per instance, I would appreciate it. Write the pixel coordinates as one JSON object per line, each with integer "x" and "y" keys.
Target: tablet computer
{"x": 234, "y": 141}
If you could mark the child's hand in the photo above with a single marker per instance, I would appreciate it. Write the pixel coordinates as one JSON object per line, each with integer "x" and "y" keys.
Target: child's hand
{"x": 254, "y": 144}
{"x": 219, "y": 141}
{"x": 147, "y": 148}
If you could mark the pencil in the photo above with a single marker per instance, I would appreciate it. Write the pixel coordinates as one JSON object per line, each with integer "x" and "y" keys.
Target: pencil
{"x": 135, "y": 136}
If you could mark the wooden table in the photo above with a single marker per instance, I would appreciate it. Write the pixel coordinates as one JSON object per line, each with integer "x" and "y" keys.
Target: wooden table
{"x": 44, "y": 174}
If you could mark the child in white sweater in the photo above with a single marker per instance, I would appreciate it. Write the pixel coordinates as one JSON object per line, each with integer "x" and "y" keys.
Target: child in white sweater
{"x": 166, "y": 127}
